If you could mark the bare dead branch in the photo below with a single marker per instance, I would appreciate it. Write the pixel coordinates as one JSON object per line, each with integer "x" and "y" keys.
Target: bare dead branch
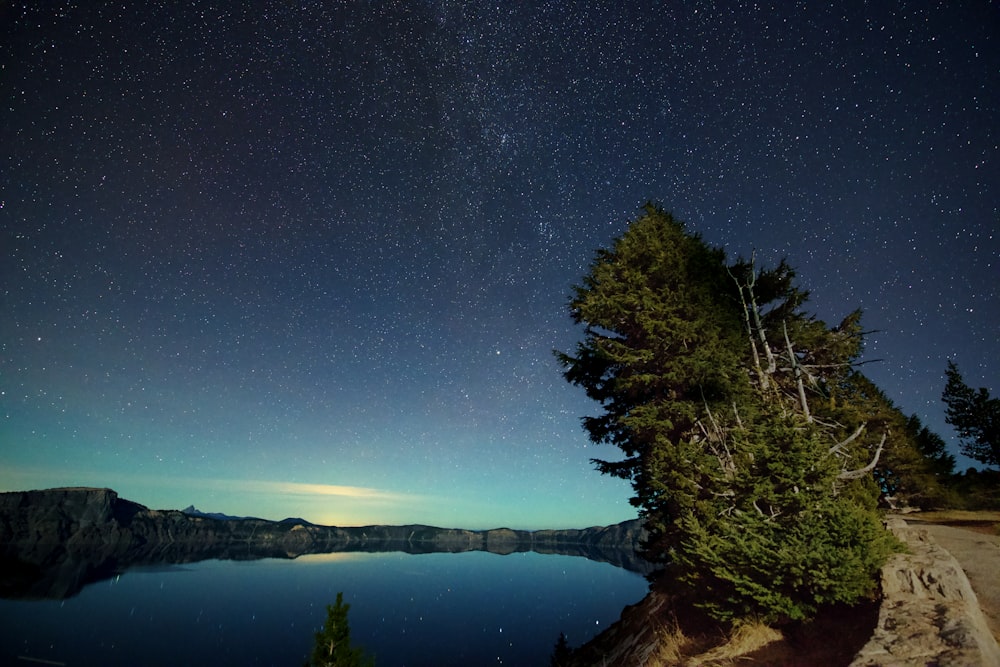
{"x": 758, "y": 325}
{"x": 839, "y": 447}
{"x": 803, "y": 402}
{"x": 861, "y": 472}
{"x": 761, "y": 377}
{"x": 717, "y": 444}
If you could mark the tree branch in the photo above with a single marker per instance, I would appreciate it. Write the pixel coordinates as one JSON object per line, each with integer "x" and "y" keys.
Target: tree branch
{"x": 861, "y": 472}
{"x": 848, "y": 440}
{"x": 798, "y": 374}
{"x": 761, "y": 377}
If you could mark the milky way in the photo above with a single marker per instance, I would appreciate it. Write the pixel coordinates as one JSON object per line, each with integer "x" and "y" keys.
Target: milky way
{"x": 313, "y": 259}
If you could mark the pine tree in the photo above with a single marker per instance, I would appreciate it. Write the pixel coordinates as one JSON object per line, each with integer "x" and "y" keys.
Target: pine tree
{"x": 658, "y": 348}
{"x": 562, "y": 654}
{"x": 333, "y": 643}
{"x": 975, "y": 416}
{"x": 933, "y": 448}
{"x": 750, "y": 465}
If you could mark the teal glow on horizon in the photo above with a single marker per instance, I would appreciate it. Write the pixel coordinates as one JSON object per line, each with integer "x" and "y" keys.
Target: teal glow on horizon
{"x": 251, "y": 258}
{"x": 339, "y": 505}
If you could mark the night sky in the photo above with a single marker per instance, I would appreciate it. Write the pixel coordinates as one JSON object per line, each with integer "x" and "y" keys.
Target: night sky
{"x": 311, "y": 259}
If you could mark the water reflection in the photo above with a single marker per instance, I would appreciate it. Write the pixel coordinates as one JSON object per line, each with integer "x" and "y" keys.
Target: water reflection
{"x": 61, "y": 572}
{"x": 473, "y": 608}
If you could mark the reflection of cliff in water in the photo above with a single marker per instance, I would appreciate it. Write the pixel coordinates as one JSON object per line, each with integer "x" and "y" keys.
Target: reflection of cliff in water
{"x": 54, "y": 542}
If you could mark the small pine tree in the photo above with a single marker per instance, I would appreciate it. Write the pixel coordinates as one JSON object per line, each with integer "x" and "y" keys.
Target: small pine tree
{"x": 933, "y": 447}
{"x": 562, "y": 654}
{"x": 333, "y": 644}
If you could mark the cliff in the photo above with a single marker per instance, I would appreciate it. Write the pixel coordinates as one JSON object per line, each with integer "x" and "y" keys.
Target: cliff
{"x": 55, "y": 541}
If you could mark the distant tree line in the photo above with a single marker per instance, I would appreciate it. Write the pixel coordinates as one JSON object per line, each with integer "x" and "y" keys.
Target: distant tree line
{"x": 975, "y": 416}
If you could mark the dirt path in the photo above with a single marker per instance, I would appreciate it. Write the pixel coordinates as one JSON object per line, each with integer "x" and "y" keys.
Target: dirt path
{"x": 979, "y": 555}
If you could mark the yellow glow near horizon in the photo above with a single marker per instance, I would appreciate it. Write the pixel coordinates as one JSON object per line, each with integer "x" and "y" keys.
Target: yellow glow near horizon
{"x": 282, "y": 495}
{"x": 16, "y": 476}
{"x": 305, "y": 489}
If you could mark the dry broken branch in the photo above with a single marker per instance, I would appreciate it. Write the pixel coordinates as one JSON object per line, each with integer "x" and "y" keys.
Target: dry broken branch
{"x": 861, "y": 472}
{"x": 798, "y": 374}
{"x": 839, "y": 447}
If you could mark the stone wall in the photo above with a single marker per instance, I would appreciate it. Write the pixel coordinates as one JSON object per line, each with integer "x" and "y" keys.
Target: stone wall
{"x": 929, "y": 613}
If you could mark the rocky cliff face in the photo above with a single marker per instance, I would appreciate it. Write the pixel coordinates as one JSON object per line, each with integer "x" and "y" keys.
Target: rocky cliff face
{"x": 55, "y": 541}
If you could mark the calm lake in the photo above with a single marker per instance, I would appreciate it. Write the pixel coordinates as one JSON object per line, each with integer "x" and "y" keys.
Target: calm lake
{"x": 468, "y": 609}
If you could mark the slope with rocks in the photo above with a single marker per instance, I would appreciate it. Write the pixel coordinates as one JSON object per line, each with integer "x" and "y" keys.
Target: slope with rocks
{"x": 929, "y": 614}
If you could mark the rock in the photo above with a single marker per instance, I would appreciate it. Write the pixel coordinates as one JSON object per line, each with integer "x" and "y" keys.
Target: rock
{"x": 929, "y": 612}
{"x": 633, "y": 639}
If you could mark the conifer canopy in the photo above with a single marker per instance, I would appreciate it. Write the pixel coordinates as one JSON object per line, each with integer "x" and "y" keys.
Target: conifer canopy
{"x": 742, "y": 421}
{"x": 976, "y": 417}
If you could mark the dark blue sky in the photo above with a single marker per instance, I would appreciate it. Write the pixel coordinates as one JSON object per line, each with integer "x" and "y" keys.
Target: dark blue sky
{"x": 312, "y": 258}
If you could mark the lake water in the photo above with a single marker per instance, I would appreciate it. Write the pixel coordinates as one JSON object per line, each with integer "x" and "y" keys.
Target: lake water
{"x": 468, "y": 609}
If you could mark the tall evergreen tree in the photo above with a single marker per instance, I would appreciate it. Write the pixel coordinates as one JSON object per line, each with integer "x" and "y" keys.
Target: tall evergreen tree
{"x": 723, "y": 396}
{"x": 660, "y": 345}
{"x": 932, "y": 447}
{"x": 975, "y": 416}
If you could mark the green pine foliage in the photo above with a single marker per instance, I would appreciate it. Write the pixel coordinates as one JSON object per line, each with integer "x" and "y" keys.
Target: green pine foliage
{"x": 657, "y": 350}
{"x": 975, "y": 416}
{"x": 333, "y": 643}
{"x": 932, "y": 447}
{"x": 914, "y": 468}
{"x": 777, "y": 543}
{"x": 742, "y": 420}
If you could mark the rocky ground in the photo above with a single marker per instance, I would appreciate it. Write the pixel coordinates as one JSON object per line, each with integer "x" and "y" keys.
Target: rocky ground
{"x": 978, "y": 552}
{"x": 929, "y": 613}
{"x": 940, "y": 606}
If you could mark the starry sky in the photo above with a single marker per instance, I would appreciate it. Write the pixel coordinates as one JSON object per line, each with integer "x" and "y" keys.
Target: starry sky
{"x": 311, "y": 259}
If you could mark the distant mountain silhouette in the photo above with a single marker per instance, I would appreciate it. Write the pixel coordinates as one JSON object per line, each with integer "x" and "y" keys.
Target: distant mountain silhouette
{"x": 53, "y": 542}
{"x": 296, "y": 521}
{"x": 191, "y": 510}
